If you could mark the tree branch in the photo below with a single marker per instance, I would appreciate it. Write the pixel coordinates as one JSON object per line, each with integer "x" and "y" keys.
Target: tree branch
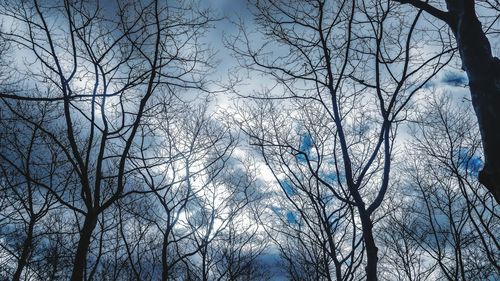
{"x": 442, "y": 15}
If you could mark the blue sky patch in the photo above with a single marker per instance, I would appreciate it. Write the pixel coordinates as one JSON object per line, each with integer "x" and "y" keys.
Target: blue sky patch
{"x": 287, "y": 187}
{"x": 291, "y": 218}
{"x": 455, "y": 79}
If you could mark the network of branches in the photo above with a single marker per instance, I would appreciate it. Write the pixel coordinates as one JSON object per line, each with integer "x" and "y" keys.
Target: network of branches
{"x": 352, "y": 140}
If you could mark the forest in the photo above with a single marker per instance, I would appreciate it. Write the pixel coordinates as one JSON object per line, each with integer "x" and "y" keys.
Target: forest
{"x": 242, "y": 140}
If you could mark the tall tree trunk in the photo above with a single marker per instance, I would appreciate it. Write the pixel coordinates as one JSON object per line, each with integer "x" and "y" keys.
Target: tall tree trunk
{"x": 25, "y": 252}
{"x": 483, "y": 71}
{"x": 164, "y": 257}
{"x": 80, "y": 261}
{"x": 371, "y": 247}
{"x": 204, "y": 276}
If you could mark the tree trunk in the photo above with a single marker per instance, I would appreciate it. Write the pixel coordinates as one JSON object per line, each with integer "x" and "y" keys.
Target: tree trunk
{"x": 80, "y": 261}
{"x": 371, "y": 248}
{"x": 204, "y": 276}
{"x": 164, "y": 257}
{"x": 25, "y": 252}
{"x": 483, "y": 71}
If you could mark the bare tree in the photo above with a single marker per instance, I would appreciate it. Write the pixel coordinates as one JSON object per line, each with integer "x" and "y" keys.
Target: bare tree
{"x": 180, "y": 173}
{"x": 225, "y": 195}
{"x": 355, "y": 65}
{"x": 447, "y": 217}
{"x": 482, "y": 69}
{"x": 402, "y": 257}
{"x": 193, "y": 189}
{"x": 103, "y": 71}
{"x": 316, "y": 234}
{"x": 238, "y": 249}
{"x": 309, "y": 253}
{"x": 30, "y": 165}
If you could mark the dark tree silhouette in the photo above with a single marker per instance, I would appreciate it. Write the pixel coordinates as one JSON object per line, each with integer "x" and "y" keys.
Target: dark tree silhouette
{"x": 483, "y": 71}
{"x": 106, "y": 72}
{"x": 446, "y": 216}
{"x": 352, "y": 67}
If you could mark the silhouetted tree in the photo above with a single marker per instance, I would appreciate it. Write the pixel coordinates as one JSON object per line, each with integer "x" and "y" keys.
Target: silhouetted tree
{"x": 446, "y": 221}
{"x": 341, "y": 73}
{"x": 105, "y": 71}
{"x": 483, "y": 71}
